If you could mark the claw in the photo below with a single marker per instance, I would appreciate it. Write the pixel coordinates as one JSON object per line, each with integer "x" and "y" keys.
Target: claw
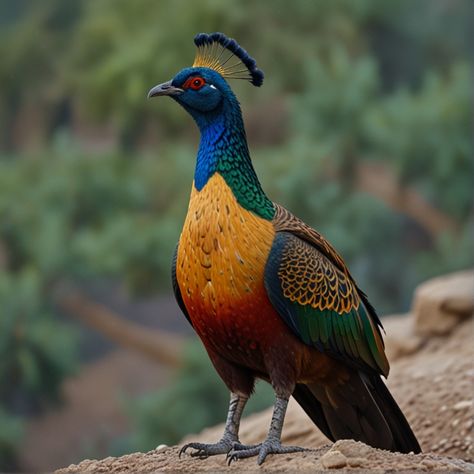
{"x": 183, "y": 450}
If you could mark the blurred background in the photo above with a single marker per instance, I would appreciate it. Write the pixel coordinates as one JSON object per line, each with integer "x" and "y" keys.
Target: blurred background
{"x": 363, "y": 128}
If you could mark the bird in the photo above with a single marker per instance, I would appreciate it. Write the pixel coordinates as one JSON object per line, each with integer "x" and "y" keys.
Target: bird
{"x": 269, "y": 297}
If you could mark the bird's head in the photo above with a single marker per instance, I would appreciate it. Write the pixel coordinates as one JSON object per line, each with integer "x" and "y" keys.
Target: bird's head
{"x": 198, "y": 89}
{"x": 202, "y": 89}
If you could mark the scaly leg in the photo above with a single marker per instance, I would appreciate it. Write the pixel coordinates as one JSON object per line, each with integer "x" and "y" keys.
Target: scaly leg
{"x": 231, "y": 431}
{"x": 272, "y": 445}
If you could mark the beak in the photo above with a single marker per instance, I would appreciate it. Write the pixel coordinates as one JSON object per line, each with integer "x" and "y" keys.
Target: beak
{"x": 164, "y": 89}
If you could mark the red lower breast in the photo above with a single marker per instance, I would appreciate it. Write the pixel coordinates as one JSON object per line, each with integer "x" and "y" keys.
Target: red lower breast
{"x": 241, "y": 330}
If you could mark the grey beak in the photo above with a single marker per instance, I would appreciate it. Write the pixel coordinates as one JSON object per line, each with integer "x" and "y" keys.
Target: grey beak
{"x": 164, "y": 89}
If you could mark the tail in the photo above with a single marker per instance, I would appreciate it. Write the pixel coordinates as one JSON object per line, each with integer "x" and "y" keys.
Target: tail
{"x": 361, "y": 409}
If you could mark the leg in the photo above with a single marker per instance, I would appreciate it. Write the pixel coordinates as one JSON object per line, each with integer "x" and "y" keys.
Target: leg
{"x": 231, "y": 431}
{"x": 272, "y": 445}
{"x": 240, "y": 382}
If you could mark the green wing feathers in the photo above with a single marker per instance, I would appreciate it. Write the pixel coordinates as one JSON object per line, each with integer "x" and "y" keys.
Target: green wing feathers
{"x": 316, "y": 296}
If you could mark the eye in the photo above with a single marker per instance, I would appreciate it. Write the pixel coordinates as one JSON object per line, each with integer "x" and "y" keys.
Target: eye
{"x": 194, "y": 83}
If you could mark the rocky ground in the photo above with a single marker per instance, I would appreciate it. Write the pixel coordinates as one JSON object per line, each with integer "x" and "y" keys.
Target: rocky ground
{"x": 432, "y": 374}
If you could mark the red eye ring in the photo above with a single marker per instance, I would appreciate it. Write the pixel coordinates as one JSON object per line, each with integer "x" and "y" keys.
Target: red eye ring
{"x": 194, "y": 83}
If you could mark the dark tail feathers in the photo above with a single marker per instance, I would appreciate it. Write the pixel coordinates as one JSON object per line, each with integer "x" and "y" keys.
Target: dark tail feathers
{"x": 361, "y": 409}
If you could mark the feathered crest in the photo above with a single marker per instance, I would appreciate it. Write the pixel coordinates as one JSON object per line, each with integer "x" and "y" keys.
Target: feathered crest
{"x": 224, "y": 55}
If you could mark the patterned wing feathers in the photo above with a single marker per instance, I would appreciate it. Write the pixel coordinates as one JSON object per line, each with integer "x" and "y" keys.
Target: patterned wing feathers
{"x": 309, "y": 278}
{"x": 321, "y": 303}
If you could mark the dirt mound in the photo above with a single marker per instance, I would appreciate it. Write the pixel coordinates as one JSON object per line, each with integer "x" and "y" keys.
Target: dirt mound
{"x": 431, "y": 378}
{"x": 344, "y": 454}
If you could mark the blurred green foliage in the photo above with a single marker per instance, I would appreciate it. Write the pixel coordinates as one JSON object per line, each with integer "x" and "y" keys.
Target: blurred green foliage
{"x": 11, "y": 432}
{"x": 35, "y": 351}
{"x": 80, "y": 217}
{"x": 352, "y": 81}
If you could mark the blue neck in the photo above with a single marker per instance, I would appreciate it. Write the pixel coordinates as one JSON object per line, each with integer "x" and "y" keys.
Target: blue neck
{"x": 210, "y": 150}
{"x": 223, "y": 149}
{"x": 222, "y": 138}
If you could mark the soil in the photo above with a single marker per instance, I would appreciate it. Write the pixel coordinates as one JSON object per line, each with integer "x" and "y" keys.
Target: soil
{"x": 345, "y": 454}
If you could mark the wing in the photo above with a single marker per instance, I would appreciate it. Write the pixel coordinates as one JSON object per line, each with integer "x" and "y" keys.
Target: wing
{"x": 312, "y": 290}
{"x": 176, "y": 290}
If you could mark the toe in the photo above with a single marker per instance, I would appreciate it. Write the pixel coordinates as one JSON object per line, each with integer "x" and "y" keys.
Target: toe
{"x": 235, "y": 454}
{"x": 203, "y": 450}
{"x": 198, "y": 447}
{"x": 184, "y": 448}
{"x": 260, "y": 450}
{"x": 262, "y": 455}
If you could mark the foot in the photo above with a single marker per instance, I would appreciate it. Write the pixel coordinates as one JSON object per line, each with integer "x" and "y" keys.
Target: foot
{"x": 204, "y": 450}
{"x": 238, "y": 446}
{"x": 269, "y": 446}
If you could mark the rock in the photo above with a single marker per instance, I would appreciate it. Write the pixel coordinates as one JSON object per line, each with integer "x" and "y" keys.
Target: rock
{"x": 440, "y": 303}
{"x": 401, "y": 340}
{"x": 333, "y": 460}
{"x": 462, "y": 405}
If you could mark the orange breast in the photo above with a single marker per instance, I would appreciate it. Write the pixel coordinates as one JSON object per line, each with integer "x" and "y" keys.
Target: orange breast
{"x": 221, "y": 260}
